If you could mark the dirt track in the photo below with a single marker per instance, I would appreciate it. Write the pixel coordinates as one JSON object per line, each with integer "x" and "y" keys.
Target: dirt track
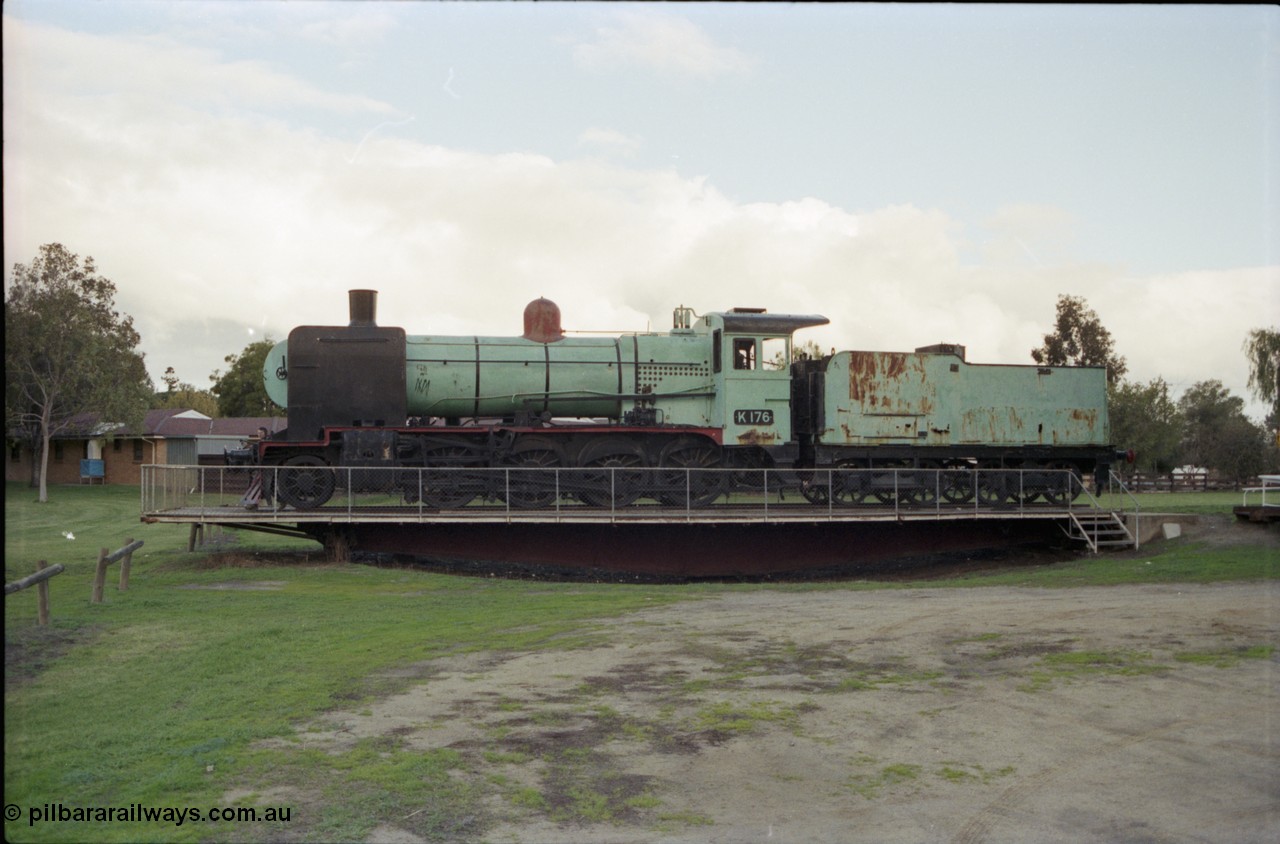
{"x": 1143, "y": 713}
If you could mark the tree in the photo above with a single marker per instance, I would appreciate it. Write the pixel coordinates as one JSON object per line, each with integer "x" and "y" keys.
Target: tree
{"x": 68, "y": 351}
{"x": 1263, "y": 349}
{"x": 1145, "y": 418}
{"x": 240, "y": 390}
{"x": 179, "y": 394}
{"x": 1217, "y": 434}
{"x": 1079, "y": 339}
{"x": 799, "y": 351}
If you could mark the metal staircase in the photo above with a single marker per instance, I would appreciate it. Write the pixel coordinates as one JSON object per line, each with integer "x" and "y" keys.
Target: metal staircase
{"x": 1100, "y": 529}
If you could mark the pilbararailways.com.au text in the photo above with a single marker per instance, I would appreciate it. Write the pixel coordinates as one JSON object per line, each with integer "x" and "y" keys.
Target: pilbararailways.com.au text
{"x": 138, "y": 813}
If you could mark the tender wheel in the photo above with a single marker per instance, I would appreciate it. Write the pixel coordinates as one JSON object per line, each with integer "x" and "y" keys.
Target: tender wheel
{"x": 851, "y": 486}
{"x": 993, "y": 488}
{"x": 957, "y": 485}
{"x": 612, "y": 474}
{"x": 690, "y": 481}
{"x": 921, "y": 487}
{"x": 891, "y": 484}
{"x": 306, "y": 482}
{"x": 815, "y": 485}
{"x": 1061, "y": 489}
{"x": 531, "y": 483}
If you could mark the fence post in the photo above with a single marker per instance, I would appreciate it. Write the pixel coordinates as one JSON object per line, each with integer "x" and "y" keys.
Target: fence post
{"x": 124, "y": 566}
{"x": 42, "y": 599}
{"x": 100, "y": 576}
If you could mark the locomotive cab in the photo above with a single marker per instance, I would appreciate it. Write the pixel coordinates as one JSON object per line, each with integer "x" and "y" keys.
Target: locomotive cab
{"x": 751, "y": 366}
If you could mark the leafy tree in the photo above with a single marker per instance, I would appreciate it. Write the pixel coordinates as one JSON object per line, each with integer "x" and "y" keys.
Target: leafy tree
{"x": 1079, "y": 339}
{"x": 799, "y": 351}
{"x": 240, "y": 390}
{"x": 1145, "y": 418}
{"x": 1217, "y": 434}
{"x": 180, "y": 394}
{"x": 1263, "y": 349}
{"x": 67, "y": 351}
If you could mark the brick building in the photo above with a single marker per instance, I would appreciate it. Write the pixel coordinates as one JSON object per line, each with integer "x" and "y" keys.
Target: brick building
{"x": 169, "y": 437}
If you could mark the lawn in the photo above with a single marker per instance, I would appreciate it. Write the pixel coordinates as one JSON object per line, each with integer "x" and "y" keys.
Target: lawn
{"x": 167, "y": 695}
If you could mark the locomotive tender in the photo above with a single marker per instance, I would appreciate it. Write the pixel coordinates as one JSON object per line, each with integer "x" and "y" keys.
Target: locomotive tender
{"x": 719, "y": 391}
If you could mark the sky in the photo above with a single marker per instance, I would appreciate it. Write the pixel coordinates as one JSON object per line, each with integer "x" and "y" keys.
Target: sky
{"x": 916, "y": 173}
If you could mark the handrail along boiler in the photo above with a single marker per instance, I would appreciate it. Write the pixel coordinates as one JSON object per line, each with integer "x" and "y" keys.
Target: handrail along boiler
{"x": 718, "y": 391}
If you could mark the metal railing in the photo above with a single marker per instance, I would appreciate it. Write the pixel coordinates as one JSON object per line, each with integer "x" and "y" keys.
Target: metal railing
{"x": 1270, "y": 484}
{"x": 606, "y": 493}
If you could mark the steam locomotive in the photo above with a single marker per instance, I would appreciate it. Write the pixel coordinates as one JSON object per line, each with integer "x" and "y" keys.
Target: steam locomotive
{"x": 641, "y": 416}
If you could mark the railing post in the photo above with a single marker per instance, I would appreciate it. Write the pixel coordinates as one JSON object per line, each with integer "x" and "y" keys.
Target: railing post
{"x": 831, "y": 494}
{"x": 688, "y": 494}
{"x": 766, "y": 494}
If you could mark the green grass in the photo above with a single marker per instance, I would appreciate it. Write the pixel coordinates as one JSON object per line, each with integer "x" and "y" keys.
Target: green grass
{"x": 1073, "y": 665}
{"x": 1203, "y": 503}
{"x": 164, "y": 694}
{"x": 159, "y": 695}
{"x": 1226, "y": 657}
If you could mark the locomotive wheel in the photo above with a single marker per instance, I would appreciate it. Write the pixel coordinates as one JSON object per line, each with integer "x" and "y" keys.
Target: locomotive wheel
{"x": 533, "y": 489}
{"x": 1060, "y": 489}
{"x": 685, "y": 483}
{"x": 306, "y": 481}
{"x": 447, "y": 489}
{"x": 619, "y": 479}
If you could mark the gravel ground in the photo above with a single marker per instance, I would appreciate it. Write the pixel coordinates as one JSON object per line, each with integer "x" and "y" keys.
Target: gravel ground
{"x": 1136, "y": 713}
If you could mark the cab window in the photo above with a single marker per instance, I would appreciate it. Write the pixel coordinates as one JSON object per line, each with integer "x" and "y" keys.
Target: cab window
{"x": 744, "y": 353}
{"x": 774, "y": 354}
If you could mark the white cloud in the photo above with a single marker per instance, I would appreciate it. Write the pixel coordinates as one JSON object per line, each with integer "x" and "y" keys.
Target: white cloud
{"x": 213, "y": 222}
{"x": 661, "y": 42}
{"x": 343, "y": 25}
{"x": 610, "y": 141}
{"x": 142, "y": 73}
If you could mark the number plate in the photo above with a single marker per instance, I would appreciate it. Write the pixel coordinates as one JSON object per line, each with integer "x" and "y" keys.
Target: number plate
{"x": 753, "y": 417}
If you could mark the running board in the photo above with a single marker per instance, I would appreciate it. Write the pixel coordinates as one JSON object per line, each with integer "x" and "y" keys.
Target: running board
{"x": 1100, "y": 529}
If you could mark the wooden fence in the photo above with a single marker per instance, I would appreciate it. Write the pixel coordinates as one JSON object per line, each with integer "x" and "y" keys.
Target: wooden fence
{"x": 41, "y": 581}
{"x": 124, "y": 556}
{"x": 1185, "y": 482}
{"x": 1169, "y": 482}
{"x": 43, "y": 572}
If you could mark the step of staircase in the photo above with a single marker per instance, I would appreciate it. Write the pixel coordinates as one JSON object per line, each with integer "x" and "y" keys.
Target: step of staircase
{"x": 1100, "y": 530}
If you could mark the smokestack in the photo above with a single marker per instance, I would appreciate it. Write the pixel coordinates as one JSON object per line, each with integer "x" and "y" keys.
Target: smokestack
{"x": 364, "y": 308}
